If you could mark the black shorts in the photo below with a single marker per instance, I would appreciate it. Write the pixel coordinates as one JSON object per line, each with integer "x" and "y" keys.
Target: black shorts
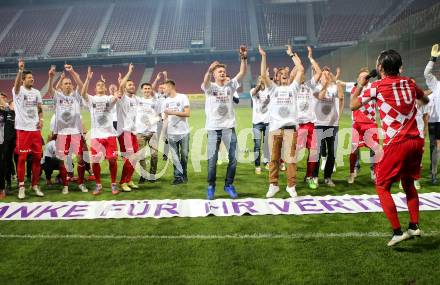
{"x": 434, "y": 130}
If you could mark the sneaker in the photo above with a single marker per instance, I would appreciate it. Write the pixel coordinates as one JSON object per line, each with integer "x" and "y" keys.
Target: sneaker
{"x": 21, "y": 192}
{"x": 414, "y": 233}
{"x": 98, "y": 190}
{"x": 9, "y": 189}
{"x": 83, "y": 188}
{"x": 266, "y": 166}
{"x": 124, "y": 187}
{"x": 178, "y": 181}
{"x": 356, "y": 171}
{"x": 37, "y": 190}
{"x": 417, "y": 184}
{"x": 115, "y": 190}
{"x": 141, "y": 180}
{"x": 210, "y": 192}
{"x": 230, "y": 189}
{"x": 398, "y": 238}
{"x": 14, "y": 177}
{"x": 273, "y": 189}
{"x": 311, "y": 183}
{"x": 65, "y": 190}
{"x": 283, "y": 167}
{"x": 316, "y": 181}
{"x": 400, "y": 185}
{"x": 132, "y": 185}
{"x": 164, "y": 157}
{"x": 292, "y": 191}
{"x": 329, "y": 182}
{"x": 323, "y": 162}
{"x": 351, "y": 177}
{"x": 258, "y": 170}
{"x": 2, "y": 194}
{"x": 434, "y": 179}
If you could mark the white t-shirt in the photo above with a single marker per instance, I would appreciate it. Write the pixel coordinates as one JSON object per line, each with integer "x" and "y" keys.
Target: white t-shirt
{"x": 260, "y": 106}
{"x": 160, "y": 98}
{"x": 126, "y": 108}
{"x": 219, "y": 105}
{"x": 282, "y": 106}
{"x": 52, "y": 124}
{"x": 114, "y": 115}
{"x": 148, "y": 115}
{"x": 101, "y": 117}
{"x": 49, "y": 151}
{"x": 68, "y": 113}
{"x": 421, "y": 111}
{"x": 305, "y": 102}
{"x": 177, "y": 125}
{"x": 434, "y": 85}
{"x": 26, "y": 108}
{"x": 327, "y": 109}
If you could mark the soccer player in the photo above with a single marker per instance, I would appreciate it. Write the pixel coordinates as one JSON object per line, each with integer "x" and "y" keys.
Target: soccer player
{"x": 148, "y": 115}
{"x": 3, "y": 105}
{"x": 283, "y": 121}
{"x": 395, "y": 97}
{"x": 364, "y": 130}
{"x": 68, "y": 124}
{"x": 102, "y": 133}
{"x": 126, "y": 110}
{"x": 161, "y": 96}
{"x": 9, "y": 141}
{"x": 220, "y": 120}
{"x": 260, "y": 123}
{"x": 328, "y": 110}
{"x": 434, "y": 116}
{"x": 307, "y": 118}
{"x": 175, "y": 113}
{"x": 28, "y": 124}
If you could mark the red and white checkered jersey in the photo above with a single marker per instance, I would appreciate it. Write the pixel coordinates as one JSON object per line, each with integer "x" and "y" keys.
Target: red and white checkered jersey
{"x": 395, "y": 97}
{"x": 367, "y": 113}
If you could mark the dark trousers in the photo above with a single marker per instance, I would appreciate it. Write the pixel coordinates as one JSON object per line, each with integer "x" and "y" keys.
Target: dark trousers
{"x": 327, "y": 143}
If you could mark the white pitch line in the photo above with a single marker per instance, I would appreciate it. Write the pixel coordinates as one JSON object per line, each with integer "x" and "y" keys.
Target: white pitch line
{"x": 256, "y": 236}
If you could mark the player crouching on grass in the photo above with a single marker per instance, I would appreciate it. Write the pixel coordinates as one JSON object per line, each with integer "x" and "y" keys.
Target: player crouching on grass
{"x": 395, "y": 97}
{"x": 103, "y": 135}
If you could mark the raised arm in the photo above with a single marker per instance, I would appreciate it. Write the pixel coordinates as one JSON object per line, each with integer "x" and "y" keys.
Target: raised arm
{"x": 156, "y": 80}
{"x": 341, "y": 99}
{"x": 263, "y": 68}
{"x": 19, "y": 77}
{"x": 315, "y": 66}
{"x": 58, "y": 85}
{"x": 243, "y": 63}
{"x": 354, "y": 98}
{"x": 430, "y": 78}
{"x": 51, "y": 73}
{"x": 208, "y": 75}
{"x": 86, "y": 84}
{"x": 126, "y": 77}
{"x": 75, "y": 76}
{"x": 298, "y": 64}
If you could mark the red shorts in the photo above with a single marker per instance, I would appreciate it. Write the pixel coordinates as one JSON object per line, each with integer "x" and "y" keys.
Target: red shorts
{"x": 364, "y": 135}
{"x": 128, "y": 143}
{"x": 400, "y": 160}
{"x": 69, "y": 144}
{"x": 29, "y": 142}
{"x": 107, "y": 146}
{"x": 306, "y": 136}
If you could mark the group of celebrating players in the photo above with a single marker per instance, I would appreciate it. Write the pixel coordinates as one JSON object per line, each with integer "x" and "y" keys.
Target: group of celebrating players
{"x": 290, "y": 113}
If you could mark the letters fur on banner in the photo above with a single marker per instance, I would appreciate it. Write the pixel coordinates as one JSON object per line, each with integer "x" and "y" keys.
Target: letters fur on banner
{"x": 305, "y": 205}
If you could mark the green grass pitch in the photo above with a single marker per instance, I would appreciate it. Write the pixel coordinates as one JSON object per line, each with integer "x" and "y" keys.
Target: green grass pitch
{"x": 72, "y": 252}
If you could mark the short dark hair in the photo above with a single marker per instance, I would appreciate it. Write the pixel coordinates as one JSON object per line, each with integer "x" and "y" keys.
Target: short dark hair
{"x": 391, "y": 62}
{"x": 146, "y": 84}
{"x": 3, "y": 94}
{"x": 170, "y": 82}
{"x": 26, "y": 72}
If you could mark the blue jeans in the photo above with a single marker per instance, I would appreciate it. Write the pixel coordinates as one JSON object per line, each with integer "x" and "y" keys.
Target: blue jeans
{"x": 179, "y": 147}
{"x": 257, "y": 130}
{"x": 229, "y": 138}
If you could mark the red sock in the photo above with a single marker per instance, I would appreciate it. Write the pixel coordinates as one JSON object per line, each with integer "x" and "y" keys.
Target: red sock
{"x": 97, "y": 172}
{"x": 388, "y": 206}
{"x": 36, "y": 165}
{"x": 310, "y": 168}
{"x": 63, "y": 173}
{"x": 113, "y": 165}
{"x": 353, "y": 158}
{"x": 130, "y": 170}
{"x": 21, "y": 168}
{"x": 412, "y": 200}
{"x": 123, "y": 174}
{"x": 81, "y": 171}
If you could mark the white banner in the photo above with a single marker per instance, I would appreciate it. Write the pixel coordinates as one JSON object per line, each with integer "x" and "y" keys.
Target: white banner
{"x": 305, "y": 205}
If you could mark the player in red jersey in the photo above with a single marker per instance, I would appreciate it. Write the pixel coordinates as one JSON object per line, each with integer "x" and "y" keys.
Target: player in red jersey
{"x": 395, "y": 97}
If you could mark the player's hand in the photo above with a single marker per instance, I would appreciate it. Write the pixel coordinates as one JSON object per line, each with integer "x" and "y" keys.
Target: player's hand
{"x": 289, "y": 50}
{"x": 165, "y": 74}
{"x": 130, "y": 67}
{"x": 362, "y": 80}
{"x": 435, "y": 52}
{"x": 21, "y": 64}
{"x": 119, "y": 78}
{"x": 213, "y": 65}
{"x": 68, "y": 67}
{"x": 117, "y": 94}
{"x": 338, "y": 73}
{"x": 309, "y": 52}
{"x": 102, "y": 78}
{"x": 52, "y": 71}
{"x": 89, "y": 73}
{"x": 296, "y": 59}
{"x": 112, "y": 89}
{"x": 261, "y": 51}
{"x": 158, "y": 76}
{"x": 243, "y": 52}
